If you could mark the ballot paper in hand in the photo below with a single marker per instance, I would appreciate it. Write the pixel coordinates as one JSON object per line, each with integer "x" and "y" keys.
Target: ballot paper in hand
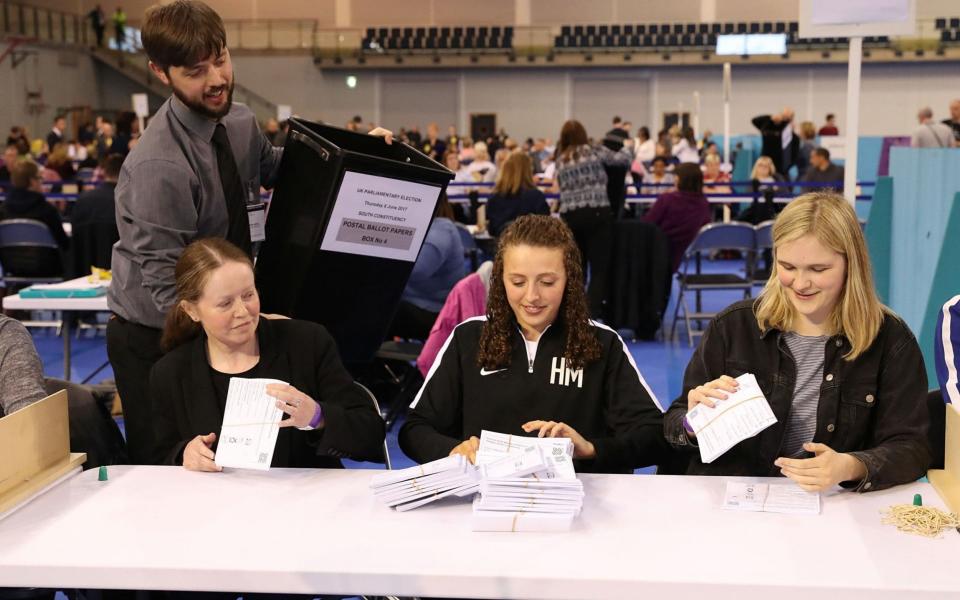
{"x": 786, "y": 498}
{"x": 251, "y": 422}
{"x": 744, "y": 414}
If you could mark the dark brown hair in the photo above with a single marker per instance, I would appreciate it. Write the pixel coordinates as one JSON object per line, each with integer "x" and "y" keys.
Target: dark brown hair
{"x": 689, "y": 178}
{"x": 182, "y": 33}
{"x": 198, "y": 261}
{"x": 582, "y": 346}
{"x": 443, "y": 207}
{"x": 22, "y": 173}
{"x": 572, "y": 136}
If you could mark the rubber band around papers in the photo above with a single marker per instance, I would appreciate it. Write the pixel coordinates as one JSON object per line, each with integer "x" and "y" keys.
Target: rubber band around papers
{"x": 920, "y": 520}
{"x": 740, "y": 402}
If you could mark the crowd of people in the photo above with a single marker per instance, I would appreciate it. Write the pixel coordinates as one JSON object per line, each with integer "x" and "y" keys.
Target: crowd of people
{"x": 186, "y": 313}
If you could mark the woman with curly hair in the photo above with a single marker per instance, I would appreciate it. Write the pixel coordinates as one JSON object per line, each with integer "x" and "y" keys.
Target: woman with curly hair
{"x": 536, "y": 364}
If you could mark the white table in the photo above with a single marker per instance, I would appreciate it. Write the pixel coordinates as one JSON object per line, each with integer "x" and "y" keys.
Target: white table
{"x": 316, "y": 531}
{"x": 65, "y": 305}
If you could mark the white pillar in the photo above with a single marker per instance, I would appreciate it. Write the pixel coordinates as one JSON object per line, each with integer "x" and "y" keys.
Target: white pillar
{"x": 567, "y": 96}
{"x": 727, "y": 91}
{"x": 377, "y": 100}
{"x": 462, "y": 117}
{"x": 853, "y": 120}
{"x": 521, "y": 13}
{"x": 341, "y": 13}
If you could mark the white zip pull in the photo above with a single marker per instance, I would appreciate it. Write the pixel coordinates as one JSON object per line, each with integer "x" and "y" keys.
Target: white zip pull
{"x": 530, "y": 365}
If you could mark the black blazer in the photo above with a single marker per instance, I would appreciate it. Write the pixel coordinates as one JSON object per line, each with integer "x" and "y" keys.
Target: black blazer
{"x": 299, "y": 352}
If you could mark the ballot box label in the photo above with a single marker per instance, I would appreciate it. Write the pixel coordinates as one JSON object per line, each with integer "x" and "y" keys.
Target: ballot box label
{"x": 380, "y": 216}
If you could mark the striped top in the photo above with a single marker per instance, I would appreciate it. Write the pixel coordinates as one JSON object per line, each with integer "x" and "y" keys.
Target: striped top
{"x": 947, "y": 350}
{"x": 583, "y": 179}
{"x": 808, "y": 354}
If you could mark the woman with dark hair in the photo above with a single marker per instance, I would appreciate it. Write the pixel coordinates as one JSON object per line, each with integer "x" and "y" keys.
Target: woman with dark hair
{"x": 681, "y": 213}
{"x": 213, "y": 333}
{"x": 514, "y": 194}
{"x": 584, "y": 203}
{"x": 440, "y": 265}
{"x": 537, "y": 365}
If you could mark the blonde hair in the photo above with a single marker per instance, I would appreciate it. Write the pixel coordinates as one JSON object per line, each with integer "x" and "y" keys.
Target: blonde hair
{"x": 858, "y": 312}
{"x": 808, "y": 130}
{"x": 516, "y": 174}
{"x": 766, "y": 160}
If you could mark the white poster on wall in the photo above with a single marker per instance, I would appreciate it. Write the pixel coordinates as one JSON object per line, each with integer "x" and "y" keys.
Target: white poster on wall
{"x": 379, "y": 216}
{"x": 141, "y": 107}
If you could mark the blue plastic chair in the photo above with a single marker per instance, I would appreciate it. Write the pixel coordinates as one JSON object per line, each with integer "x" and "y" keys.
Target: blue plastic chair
{"x": 763, "y": 233}
{"x": 713, "y": 237}
{"x": 28, "y": 253}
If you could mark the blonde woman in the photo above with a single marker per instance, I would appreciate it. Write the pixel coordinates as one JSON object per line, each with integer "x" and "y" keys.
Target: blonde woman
{"x": 842, "y": 373}
{"x": 514, "y": 194}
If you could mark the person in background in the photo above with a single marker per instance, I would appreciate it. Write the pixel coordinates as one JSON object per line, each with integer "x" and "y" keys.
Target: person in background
{"x": 453, "y": 138}
{"x": 947, "y": 350}
{"x": 120, "y": 27}
{"x": 215, "y": 332}
{"x": 682, "y": 212}
{"x": 439, "y": 267}
{"x": 779, "y": 141}
{"x": 274, "y": 134}
{"x": 705, "y": 142}
{"x": 808, "y": 136}
{"x": 584, "y": 202}
{"x": 830, "y": 127}
{"x": 25, "y": 200}
{"x": 842, "y": 373}
{"x": 658, "y": 180}
{"x": 59, "y": 161}
{"x": 104, "y": 137}
{"x": 685, "y": 149}
{"x": 19, "y": 137}
{"x": 644, "y": 147}
{"x": 480, "y": 168}
{"x": 931, "y": 134}
{"x": 95, "y": 212}
{"x": 97, "y": 22}
{"x": 57, "y": 133}
{"x": 11, "y": 155}
{"x": 823, "y": 171}
{"x": 614, "y": 138}
{"x": 433, "y": 146}
{"x": 514, "y": 194}
{"x": 500, "y": 372}
{"x": 714, "y": 179}
{"x": 765, "y": 176}
{"x": 954, "y": 121}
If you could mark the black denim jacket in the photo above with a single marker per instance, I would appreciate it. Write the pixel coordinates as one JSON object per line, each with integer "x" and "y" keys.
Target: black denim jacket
{"x": 873, "y": 407}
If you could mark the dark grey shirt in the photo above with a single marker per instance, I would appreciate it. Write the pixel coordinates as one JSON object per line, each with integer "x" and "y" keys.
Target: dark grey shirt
{"x": 169, "y": 194}
{"x": 21, "y": 373}
{"x": 832, "y": 174}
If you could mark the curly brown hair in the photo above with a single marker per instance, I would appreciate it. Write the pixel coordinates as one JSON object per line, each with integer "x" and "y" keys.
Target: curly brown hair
{"x": 582, "y": 346}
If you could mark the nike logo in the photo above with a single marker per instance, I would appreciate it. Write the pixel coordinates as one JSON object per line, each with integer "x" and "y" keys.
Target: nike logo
{"x": 485, "y": 372}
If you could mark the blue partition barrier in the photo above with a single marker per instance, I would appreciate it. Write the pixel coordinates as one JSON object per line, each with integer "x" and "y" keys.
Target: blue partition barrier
{"x": 878, "y": 236}
{"x": 923, "y": 263}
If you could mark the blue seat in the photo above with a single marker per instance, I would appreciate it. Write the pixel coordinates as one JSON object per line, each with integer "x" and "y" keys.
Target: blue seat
{"x": 712, "y": 237}
{"x": 471, "y": 252}
{"x": 28, "y": 253}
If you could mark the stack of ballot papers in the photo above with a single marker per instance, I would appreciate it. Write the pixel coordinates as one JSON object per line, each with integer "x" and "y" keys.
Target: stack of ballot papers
{"x": 526, "y": 484}
{"x": 417, "y": 486}
{"x": 744, "y": 414}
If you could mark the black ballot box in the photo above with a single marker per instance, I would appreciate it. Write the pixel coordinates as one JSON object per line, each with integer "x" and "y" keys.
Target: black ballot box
{"x": 348, "y": 217}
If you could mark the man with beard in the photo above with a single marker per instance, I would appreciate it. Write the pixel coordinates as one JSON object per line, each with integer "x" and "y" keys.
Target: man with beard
{"x": 196, "y": 172}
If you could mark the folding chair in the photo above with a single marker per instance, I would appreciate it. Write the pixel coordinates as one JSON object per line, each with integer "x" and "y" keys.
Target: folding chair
{"x": 713, "y": 236}
{"x": 376, "y": 406}
{"x": 763, "y": 234}
{"x": 28, "y": 255}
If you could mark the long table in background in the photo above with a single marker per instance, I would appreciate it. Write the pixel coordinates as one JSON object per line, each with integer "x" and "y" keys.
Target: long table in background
{"x": 68, "y": 306}
{"x": 321, "y": 531}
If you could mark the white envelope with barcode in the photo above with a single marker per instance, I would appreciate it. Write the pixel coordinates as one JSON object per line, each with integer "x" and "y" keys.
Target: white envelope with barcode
{"x": 251, "y": 423}
{"x": 742, "y": 415}
{"x": 416, "y": 486}
{"x": 541, "y": 494}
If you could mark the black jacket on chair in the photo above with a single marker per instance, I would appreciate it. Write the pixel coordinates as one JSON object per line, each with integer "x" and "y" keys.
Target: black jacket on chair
{"x": 301, "y": 353}
{"x": 94, "y": 224}
{"x": 640, "y": 278}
